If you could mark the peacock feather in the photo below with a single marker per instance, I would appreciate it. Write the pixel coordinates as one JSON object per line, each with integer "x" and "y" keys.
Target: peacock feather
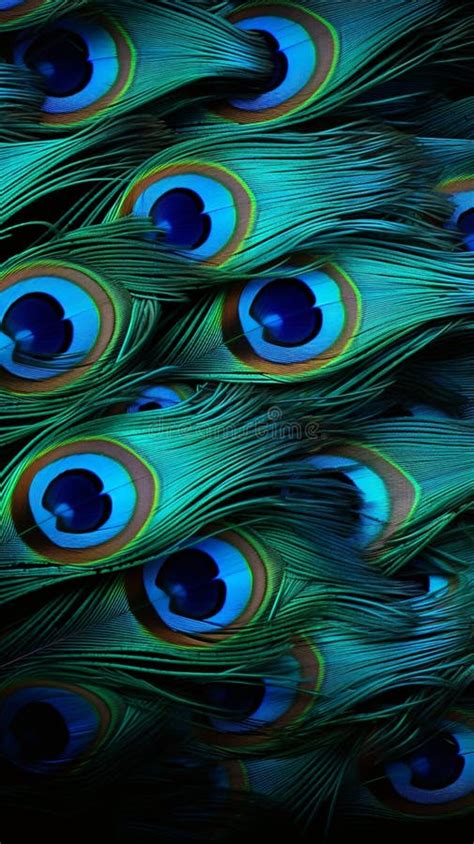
{"x": 214, "y": 201}
{"x": 103, "y": 59}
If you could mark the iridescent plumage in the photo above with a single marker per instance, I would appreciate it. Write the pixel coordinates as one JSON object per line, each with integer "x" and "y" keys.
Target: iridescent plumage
{"x": 236, "y": 418}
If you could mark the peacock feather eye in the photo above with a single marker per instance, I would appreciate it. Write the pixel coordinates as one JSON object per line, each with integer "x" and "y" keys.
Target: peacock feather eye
{"x": 425, "y": 584}
{"x": 249, "y": 712}
{"x": 424, "y": 580}
{"x": 202, "y": 211}
{"x": 204, "y": 594}
{"x": 83, "y": 501}
{"x": 292, "y": 325}
{"x": 440, "y": 583}
{"x": 86, "y": 66}
{"x": 305, "y": 51}
{"x": 51, "y": 728}
{"x": 56, "y": 323}
{"x": 437, "y": 778}
{"x": 155, "y": 397}
{"x": 387, "y": 494}
{"x": 461, "y": 192}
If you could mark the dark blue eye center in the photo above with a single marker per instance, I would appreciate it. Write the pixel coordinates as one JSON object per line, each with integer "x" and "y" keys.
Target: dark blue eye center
{"x": 239, "y": 700}
{"x": 191, "y": 579}
{"x": 279, "y": 60}
{"x": 286, "y": 309}
{"x": 181, "y": 217}
{"x": 40, "y": 731}
{"x": 438, "y": 764}
{"x": 36, "y": 323}
{"x": 466, "y": 223}
{"x": 62, "y": 59}
{"x": 77, "y": 500}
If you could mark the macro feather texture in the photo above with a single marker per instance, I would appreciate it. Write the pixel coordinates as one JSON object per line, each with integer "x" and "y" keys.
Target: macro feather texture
{"x": 236, "y": 420}
{"x": 103, "y": 59}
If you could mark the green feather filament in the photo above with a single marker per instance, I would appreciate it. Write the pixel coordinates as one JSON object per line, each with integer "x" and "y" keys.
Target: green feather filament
{"x": 31, "y": 170}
